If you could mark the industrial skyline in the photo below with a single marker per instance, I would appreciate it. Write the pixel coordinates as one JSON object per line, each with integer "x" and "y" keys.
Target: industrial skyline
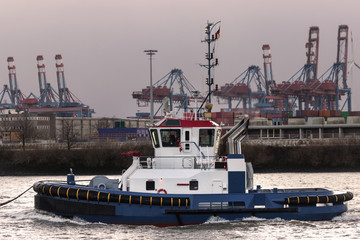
{"x": 103, "y": 43}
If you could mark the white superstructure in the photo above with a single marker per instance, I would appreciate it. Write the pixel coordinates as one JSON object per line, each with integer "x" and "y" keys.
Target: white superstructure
{"x": 186, "y": 161}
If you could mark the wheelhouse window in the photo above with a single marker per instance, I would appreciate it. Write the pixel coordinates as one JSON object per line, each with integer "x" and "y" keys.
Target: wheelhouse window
{"x": 170, "y": 137}
{"x": 155, "y": 138}
{"x": 172, "y": 123}
{"x": 187, "y": 135}
{"x": 206, "y": 137}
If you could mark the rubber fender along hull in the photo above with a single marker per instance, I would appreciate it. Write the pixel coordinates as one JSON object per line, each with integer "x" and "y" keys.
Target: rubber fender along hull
{"x": 101, "y": 196}
{"x": 136, "y": 214}
{"x": 311, "y": 200}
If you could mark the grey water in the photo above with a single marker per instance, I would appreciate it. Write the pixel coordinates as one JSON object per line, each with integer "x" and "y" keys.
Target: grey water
{"x": 19, "y": 219}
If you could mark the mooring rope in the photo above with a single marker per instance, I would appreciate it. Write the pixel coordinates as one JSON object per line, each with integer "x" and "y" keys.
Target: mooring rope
{"x": 4, "y": 203}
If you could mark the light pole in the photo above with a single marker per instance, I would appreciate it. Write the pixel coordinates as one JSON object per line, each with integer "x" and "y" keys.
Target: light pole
{"x": 151, "y": 53}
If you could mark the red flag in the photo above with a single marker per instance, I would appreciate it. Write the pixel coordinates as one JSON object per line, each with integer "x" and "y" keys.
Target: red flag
{"x": 217, "y": 34}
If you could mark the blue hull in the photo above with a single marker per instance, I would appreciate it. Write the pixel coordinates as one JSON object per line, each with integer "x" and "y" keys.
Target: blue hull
{"x": 121, "y": 207}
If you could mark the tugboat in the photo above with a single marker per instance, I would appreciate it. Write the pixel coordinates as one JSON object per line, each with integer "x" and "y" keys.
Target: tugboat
{"x": 186, "y": 182}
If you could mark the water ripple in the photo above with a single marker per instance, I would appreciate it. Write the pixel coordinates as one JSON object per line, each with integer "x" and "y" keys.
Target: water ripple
{"x": 19, "y": 220}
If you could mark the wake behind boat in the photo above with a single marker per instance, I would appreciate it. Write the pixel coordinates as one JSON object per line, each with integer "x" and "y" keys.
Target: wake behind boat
{"x": 186, "y": 182}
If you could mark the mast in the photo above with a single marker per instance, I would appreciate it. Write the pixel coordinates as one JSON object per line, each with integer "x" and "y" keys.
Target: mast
{"x": 209, "y": 56}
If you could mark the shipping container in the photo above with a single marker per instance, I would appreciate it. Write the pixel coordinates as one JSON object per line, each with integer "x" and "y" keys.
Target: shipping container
{"x": 315, "y": 120}
{"x": 309, "y": 113}
{"x": 353, "y": 119}
{"x": 271, "y": 111}
{"x": 354, "y": 113}
{"x": 344, "y": 114}
{"x": 296, "y": 121}
{"x": 335, "y": 113}
{"x": 324, "y": 113}
{"x": 335, "y": 120}
{"x": 287, "y": 113}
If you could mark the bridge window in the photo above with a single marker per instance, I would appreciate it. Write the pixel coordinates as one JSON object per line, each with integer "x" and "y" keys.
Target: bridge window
{"x": 170, "y": 137}
{"x": 187, "y": 135}
{"x": 172, "y": 122}
{"x": 155, "y": 138}
{"x": 206, "y": 137}
{"x": 187, "y": 138}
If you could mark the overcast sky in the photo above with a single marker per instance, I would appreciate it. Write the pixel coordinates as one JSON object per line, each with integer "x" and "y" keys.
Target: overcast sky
{"x": 103, "y": 42}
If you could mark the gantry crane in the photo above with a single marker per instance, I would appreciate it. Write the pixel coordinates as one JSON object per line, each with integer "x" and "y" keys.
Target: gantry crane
{"x": 164, "y": 87}
{"x": 334, "y": 80}
{"x": 66, "y": 97}
{"x": 16, "y": 95}
{"x": 48, "y": 95}
{"x": 49, "y": 100}
{"x": 300, "y": 86}
{"x": 240, "y": 89}
{"x": 340, "y": 73}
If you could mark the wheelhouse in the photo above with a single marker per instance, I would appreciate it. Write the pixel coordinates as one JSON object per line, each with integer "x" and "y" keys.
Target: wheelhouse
{"x": 190, "y": 137}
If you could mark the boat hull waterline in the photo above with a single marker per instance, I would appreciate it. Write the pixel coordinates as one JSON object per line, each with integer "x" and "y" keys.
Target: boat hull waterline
{"x": 121, "y": 207}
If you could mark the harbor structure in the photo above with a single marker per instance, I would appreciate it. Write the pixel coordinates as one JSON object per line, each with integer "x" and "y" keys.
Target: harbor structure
{"x": 256, "y": 93}
{"x": 61, "y": 102}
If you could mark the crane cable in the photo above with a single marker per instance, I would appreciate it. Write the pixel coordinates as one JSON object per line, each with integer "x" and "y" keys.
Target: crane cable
{"x": 4, "y": 203}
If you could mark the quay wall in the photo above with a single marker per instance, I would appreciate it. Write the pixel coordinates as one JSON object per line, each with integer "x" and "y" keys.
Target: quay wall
{"x": 106, "y": 159}
{"x": 308, "y": 155}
